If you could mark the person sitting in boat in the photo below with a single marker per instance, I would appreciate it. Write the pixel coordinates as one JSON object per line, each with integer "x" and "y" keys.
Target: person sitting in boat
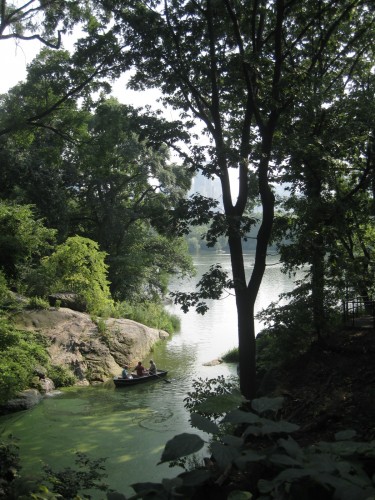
{"x": 140, "y": 369}
{"x": 152, "y": 370}
{"x": 125, "y": 373}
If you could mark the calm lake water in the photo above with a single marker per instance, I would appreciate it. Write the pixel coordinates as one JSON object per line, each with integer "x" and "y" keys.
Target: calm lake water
{"x": 131, "y": 426}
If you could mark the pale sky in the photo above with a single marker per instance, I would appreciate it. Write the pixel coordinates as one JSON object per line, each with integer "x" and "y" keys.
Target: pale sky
{"x": 15, "y": 58}
{"x": 13, "y": 61}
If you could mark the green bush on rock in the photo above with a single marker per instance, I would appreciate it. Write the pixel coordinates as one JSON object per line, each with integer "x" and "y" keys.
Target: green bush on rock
{"x": 21, "y": 353}
{"x": 61, "y": 376}
{"x": 78, "y": 266}
{"x": 152, "y": 314}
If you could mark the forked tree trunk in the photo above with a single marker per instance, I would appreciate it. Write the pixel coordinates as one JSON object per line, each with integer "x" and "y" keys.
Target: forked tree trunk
{"x": 246, "y": 294}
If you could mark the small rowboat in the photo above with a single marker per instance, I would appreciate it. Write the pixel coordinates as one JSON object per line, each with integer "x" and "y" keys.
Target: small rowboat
{"x": 125, "y": 382}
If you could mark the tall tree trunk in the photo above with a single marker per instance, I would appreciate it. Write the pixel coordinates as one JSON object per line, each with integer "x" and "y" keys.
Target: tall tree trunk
{"x": 246, "y": 344}
{"x": 246, "y": 294}
{"x": 245, "y": 320}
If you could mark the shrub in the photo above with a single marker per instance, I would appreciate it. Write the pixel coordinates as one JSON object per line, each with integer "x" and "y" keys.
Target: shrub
{"x": 280, "y": 468}
{"x": 23, "y": 238}
{"x": 152, "y": 314}
{"x": 104, "y": 333}
{"x": 205, "y": 389}
{"x": 4, "y": 290}
{"x": 69, "y": 482}
{"x": 9, "y": 468}
{"x": 287, "y": 335}
{"x": 38, "y": 303}
{"x": 78, "y": 266}
{"x": 232, "y": 356}
{"x": 101, "y": 324}
{"x": 61, "y": 376}
{"x": 21, "y": 352}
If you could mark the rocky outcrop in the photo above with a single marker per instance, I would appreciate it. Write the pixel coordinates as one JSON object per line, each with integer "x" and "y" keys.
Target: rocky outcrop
{"x": 23, "y": 401}
{"x": 93, "y": 353}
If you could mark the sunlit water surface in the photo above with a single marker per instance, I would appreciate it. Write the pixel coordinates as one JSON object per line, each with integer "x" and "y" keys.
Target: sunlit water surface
{"x": 130, "y": 426}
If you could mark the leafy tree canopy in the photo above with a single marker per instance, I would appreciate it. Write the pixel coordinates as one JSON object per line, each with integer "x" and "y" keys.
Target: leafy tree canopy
{"x": 243, "y": 69}
{"x": 23, "y": 238}
{"x": 78, "y": 266}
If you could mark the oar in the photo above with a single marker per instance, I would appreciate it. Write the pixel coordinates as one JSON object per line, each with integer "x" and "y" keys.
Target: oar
{"x": 164, "y": 379}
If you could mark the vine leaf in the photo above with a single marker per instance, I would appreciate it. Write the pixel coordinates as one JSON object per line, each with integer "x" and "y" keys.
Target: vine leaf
{"x": 241, "y": 417}
{"x": 220, "y": 403}
{"x": 345, "y": 435}
{"x": 261, "y": 405}
{"x": 180, "y": 446}
{"x": 204, "y": 424}
{"x": 224, "y": 455}
{"x": 195, "y": 477}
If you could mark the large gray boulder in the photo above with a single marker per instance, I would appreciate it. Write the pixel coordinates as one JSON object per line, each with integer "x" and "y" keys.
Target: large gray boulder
{"x": 93, "y": 354}
{"x": 23, "y": 401}
{"x": 46, "y": 385}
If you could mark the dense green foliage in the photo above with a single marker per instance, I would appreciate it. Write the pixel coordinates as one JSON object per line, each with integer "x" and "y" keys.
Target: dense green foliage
{"x": 23, "y": 239}
{"x": 231, "y": 356}
{"x": 69, "y": 482}
{"x": 152, "y": 314}
{"x": 256, "y": 76}
{"x": 112, "y": 186}
{"x": 21, "y": 353}
{"x": 78, "y": 266}
{"x": 9, "y": 468}
{"x": 61, "y": 376}
{"x": 278, "y": 468}
{"x": 5, "y": 294}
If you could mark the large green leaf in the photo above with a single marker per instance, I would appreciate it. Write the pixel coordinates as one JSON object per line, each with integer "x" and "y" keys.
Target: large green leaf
{"x": 224, "y": 455}
{"x": 114, "y": 495}
{"x": 180, "y": 446}
{"x": 265, "y": 486}
{"x": 291, "y": 447}
{"x": 255, "y": 430}
{"x": 171, "y": 484}
{"x": 221, "y": 403}
{"x": 261, "y": 405}
{"x": 345, "y": 435}
{"x": 239, "y": 495}
{"x": 241, "y": 417}
{"x": 149, "y": 488}
{"x": 289, "y": 475}
{"x": 195, "y": 477}
{"x": 204, "y": 424}
{"x": 347, "y": 448}
{"x": 234, "y": 441}
{"x": 270, "y": 427}
{"x": 249, "y": 456}
{"x": 345, "y": 490}
{"x": 279, "y": 459}
{"x": 323, "y": 462}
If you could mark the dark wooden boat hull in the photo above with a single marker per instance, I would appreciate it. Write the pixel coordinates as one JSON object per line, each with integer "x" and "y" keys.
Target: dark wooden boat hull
{"x": 127, "y": 382}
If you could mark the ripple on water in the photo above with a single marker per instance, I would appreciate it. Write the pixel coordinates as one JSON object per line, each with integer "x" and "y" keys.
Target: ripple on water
{"x": 158, "y": 420}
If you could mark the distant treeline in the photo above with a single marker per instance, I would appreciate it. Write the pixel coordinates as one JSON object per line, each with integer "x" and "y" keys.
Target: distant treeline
{"x": 197, "y": 242}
